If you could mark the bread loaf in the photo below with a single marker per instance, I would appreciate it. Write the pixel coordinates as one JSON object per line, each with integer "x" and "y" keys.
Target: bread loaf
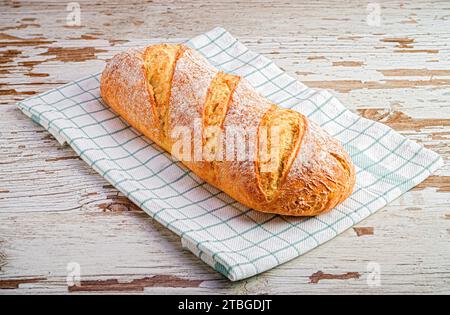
{"x": 279, "y": 161}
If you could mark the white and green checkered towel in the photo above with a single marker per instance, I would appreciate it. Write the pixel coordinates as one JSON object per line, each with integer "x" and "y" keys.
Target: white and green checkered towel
{"x": 236, "y": 241}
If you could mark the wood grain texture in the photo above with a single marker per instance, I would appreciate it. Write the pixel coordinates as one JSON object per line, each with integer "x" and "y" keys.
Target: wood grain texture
{"x": 55, "y": 210}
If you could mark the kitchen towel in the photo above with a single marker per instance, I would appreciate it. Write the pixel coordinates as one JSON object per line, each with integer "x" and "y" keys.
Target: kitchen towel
{"x": 233, "y": 239}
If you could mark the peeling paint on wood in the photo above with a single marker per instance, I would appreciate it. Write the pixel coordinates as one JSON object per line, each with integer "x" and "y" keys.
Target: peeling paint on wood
{"x": 9, "y": 55}
{"x": 409, "y": 21}
{"x": 72, "y": 54}
{"x": 62, "y": 158}
{"x": 114, "y": 42}
{"x": 13, "y": 41}
{"x": 400, "y": 121}
{"x": 134, "y": 285}
{"x": 414, "y": 72}
{"x": 398, "y": 40}
{"x": 345, "y": 86}
{"x": 34, "y": 74}
{"x": 19, "y": 27}
{"x": 401, "y": 42}
{"x": 15, "y": 92}
{"x": 417, "y": 51}
{"x": 318, "y": 276}
{"x": 315, "y": 58}
{"x": 442, "y": 183}
{"x": 360, "y": 231}
{"x": 15, "y": 283}
{"x": 4, "y": 36}
{"x": 88, "y": 37}
{"x": 348, "y": 63}
{"x": 30, "y": 63}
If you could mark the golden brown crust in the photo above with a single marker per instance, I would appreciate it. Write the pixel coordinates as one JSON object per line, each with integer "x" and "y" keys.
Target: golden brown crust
{"x": 280, "y": 133}
{"x": 172, "y": 85}
{"x": 123, "y": 74}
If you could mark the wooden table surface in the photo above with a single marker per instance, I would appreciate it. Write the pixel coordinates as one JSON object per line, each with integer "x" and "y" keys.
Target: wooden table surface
{"x": 56, "y": 213}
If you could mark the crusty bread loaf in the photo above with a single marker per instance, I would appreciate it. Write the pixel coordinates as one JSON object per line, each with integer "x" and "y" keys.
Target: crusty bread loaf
{"x": 292, "y": 167}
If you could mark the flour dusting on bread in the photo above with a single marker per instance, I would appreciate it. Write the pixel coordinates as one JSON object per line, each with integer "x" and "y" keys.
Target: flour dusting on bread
{"x": 290, "y": 166}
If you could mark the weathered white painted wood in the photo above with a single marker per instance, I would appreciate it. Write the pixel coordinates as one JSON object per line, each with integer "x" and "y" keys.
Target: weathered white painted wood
{"x": 55, "y": 210}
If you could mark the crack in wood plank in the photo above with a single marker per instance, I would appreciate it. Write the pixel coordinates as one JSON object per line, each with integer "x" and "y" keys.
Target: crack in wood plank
{"x": 2, "y": 256}
{"x": 319, "y": 275}
{"x": 4, "y": 36}
{"x": 2, "y": 260}
{"x": 134, "y": 285}
{"x": 349, "y": 37}
{"x": 114, "y": 42}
